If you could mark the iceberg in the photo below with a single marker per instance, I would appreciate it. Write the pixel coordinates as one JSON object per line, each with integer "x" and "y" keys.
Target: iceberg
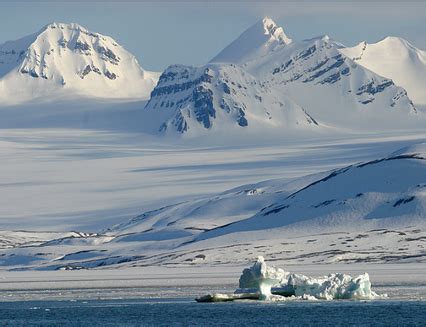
{"x": 333, "y": 287}
{"x": 269, "y": 283}
{"x": 262, "y": 278}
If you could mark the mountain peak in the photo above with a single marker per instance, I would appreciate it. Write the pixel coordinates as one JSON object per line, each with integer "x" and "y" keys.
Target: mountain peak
{"x": 259, "y": 39}
{"x": 58, "y": 26}
{"x": 73, "y": 26}
{"x": 67, "y": 55}
{"x": 276, "y": 32}
{"x": 391, "y": 38}
{"x": 394, "y": 41}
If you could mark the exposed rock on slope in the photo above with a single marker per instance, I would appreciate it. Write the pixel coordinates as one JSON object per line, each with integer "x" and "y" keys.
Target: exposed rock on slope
{"x": 220, "y": 96}
{"x": 397, "y": 59}
{"x": 324, "y": 81}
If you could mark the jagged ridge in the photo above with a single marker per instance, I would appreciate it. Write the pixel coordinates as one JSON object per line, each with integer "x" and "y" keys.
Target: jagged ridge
{"x": 219, "y": 94}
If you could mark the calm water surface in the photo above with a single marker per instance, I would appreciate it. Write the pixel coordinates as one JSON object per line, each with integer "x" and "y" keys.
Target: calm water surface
{"x": 186, "y": 312}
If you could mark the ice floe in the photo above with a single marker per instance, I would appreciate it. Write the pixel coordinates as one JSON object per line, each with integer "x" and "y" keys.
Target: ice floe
{"x": 268, "y": 283}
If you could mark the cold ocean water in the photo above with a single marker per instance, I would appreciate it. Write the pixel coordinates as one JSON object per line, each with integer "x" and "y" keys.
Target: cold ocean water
{"x": 186, "y": 312}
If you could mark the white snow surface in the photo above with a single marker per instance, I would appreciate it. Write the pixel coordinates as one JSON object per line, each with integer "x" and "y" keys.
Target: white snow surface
{"x": 397, "y": 59}
{"x": 93, "y": 185}
{"x": 366, "y": 212}
{"x": 68, "y": 60}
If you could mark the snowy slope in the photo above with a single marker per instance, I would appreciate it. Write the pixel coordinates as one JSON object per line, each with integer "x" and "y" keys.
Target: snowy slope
{"x": 397, "y": 59}
{"x": 329, "y": 85}
{"x": 388, "y": 192}
{"x": 372, "y": 211}
{"x": 220, "y": 97}
{"x": 340, "y": 91}
{"x": 66, "y": 57}
{"x": 193, "y": 217}
{"x": 381, "y": 193}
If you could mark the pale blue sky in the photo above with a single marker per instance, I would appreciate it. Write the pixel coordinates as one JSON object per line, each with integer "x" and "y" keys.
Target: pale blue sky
{"x": 161, "y": 33}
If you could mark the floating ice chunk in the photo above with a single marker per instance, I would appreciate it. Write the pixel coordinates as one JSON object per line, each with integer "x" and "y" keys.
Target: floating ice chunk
{"x": 333, "y": 286}
{"x": 219, "y": 297}
{"x": 262, "y": 278}
{"x": 269, "y": 283}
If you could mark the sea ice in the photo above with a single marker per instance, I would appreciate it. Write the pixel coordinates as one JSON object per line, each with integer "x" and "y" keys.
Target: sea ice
{"x": 269, "y": 283}
{"x": 262, "y": 278}
{"x": 333, "y": 286}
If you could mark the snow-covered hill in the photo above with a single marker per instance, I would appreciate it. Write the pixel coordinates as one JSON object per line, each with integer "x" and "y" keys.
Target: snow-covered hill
{"x": 329, "y": 85}
{"x": 397, "y": 59}
{"x": 371, "y": 211}
{"x": 385, "y": 193}
{"x": 219, "y": 97}
{"x": 67, "y": 58}
{"x": 389, "y": 192}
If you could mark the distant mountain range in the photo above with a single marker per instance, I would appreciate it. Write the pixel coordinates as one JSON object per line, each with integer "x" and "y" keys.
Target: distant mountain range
{"x": 306, "y": 84}
{"x": 262, "y": 80}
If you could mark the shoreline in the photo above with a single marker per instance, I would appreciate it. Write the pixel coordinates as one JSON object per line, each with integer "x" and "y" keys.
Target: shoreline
{"x": 400, "y": 281}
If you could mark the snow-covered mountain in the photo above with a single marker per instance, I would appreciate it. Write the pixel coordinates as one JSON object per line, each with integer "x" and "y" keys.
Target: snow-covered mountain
{"x": 217, "y": 97}
{"x": 67, "y": 57}
{"x": 265, "y": 78}
{"x": 263, "y": 82}
{"x": 397, "y": 59}
{"x": 318, "y": 77}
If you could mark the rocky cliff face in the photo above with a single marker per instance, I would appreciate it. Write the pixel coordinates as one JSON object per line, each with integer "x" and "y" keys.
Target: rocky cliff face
{"x": 218, "y": 95}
